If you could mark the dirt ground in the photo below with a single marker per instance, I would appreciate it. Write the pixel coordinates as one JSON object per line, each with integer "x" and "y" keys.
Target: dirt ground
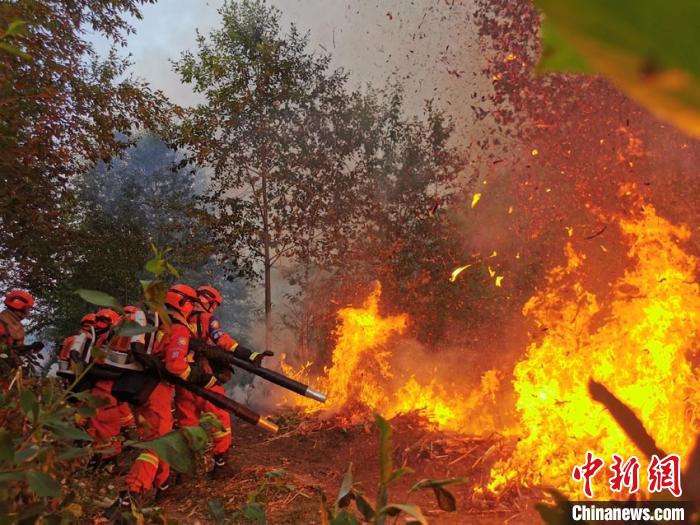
{"x": 288, "y": 473}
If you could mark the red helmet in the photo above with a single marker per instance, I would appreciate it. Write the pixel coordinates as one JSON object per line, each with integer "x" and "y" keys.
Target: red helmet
{"x": 88, "y": 319}
{"x": 181, "y": 298}
{"x": 209, "y": 297}
{"x": 105, "y": 318}
{"x": 19, "y": 300}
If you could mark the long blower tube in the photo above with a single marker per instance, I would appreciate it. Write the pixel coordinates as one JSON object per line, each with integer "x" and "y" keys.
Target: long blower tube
{"x": 214, "y": 398}
{"x": 221, "y": 356}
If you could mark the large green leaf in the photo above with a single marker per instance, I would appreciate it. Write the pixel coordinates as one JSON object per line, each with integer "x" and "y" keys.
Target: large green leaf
{"x": 412, "y": 510}
{"x": 345, "y": 492}
{"x": 98, "y": 298}
{"x": 43, "y": 485}
{"x": 29, "y": 404}
{"x": 650, "y": 49}
{"x": 344, "y": 518}
{"x": 7, "y": 446}
{"x": 178, "y": 447}
{"x": 385, "y": 450}
{"x": 131, "y": 328}
{"x": 217, "y": 510}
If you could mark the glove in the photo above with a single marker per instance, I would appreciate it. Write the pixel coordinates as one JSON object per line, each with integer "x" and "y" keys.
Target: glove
{"x": 202, "y": 378}
{"x": 257, "y": 358}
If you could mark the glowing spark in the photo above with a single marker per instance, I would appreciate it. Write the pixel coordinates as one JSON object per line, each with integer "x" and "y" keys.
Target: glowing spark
{"x": 570, "y": 231}
{"x": 497, "y": 77}
{"x": 475, "y": 199}
{"x": 603, "y": 248}
{"x": 534, "y": 152}
{"x": 499, "y": 280}
{"x": 493, "y": 254}
{"x": 510, "y": 57}
{"x": 457, "y": 271}
{"x": 548, "y": 190}
{"x": 491, "y": 272}
{"x": 510, "y": 210}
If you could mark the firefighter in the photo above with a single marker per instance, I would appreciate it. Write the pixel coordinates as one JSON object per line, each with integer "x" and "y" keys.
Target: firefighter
{"x": 77, "y": 342}
{"x": 112, "y": 416}
{"x": 154, "y": 418}
{"x": 18, "y": 304}
{"x": 188, "y": 406}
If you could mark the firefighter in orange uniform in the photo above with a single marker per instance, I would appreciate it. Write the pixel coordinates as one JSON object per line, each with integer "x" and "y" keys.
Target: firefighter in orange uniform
{"x": 188, "y": 406}
{"x": 18, "y": 304}
{"x": 154, "y": 418}
{"x": 77, "y": 342}
{"x": 106, "y": 425}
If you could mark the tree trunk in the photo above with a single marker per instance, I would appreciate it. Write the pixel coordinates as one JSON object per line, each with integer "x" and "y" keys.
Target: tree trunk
{"x": 268, "y": 267}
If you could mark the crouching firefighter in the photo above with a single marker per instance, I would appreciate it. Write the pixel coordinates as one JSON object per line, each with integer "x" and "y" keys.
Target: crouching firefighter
{"x": 154, "y": 416}
{"x": 207, "y": 330}
{"x": 112, "y": 415}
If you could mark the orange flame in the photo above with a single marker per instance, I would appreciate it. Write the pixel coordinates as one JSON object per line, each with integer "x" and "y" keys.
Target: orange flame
{"x": 365, "y": 377}
{"x": 637, "y": 341}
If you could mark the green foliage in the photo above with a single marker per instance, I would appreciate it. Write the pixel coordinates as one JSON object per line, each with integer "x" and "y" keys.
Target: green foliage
{"x": 377, "y": 514}
{"x": 645, "y": 49}
{"x": 59, "y": 108}
{"x": 38, "y": 452}
{"x": 178, "y": 447}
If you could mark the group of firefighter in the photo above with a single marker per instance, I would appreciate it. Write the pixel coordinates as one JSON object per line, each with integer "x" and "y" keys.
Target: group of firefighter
{"x": 128, "y": 396}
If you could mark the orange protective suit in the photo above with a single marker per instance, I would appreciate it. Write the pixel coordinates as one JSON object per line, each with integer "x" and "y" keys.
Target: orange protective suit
{"x": 188, "y": 406}
{"x": 111, "y": 417}
{"x": 154, "y": 418}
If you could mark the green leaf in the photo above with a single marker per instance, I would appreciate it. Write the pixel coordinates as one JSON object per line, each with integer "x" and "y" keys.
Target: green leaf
{"x": 172, "y": 270}
{"x": 345, "y": 492}
{"x": 364, "y": 506}
{"x": 69, "y": 432}
{"x": 430, "y": 483}
{"x": 16, "y": 28}
{"x": 13, "y": 50}
{"x": 43, "y": 485}
{"x": 279, "y": 473}
{"x": 26, "y": 454}
{"x": 131, "y": 328}
{"x": 178, "y": 447}
{"x": 12, "y": 476}
{"x": 344, "y": 518}
{"x": 557, "y": 54}
{"x": 98, "y": 298}
{"x": 412, "y": 510}
{"x": 254, "y": 512}
{"x": 155, "y": 266}
{"x": 217, "y": 510}
{"x": 646, "y": 49}
{"x": 29, "y": 404}
{"x": 385, "y": 449}
{"x": 7, "y": 446}
{"x": 399, "y": 473}
{"x": 445, "y": 499}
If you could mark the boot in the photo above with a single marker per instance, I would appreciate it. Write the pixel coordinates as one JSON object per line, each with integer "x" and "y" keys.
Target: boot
{"x": 122, "y": 505}
{"x": 220, "y": 468}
